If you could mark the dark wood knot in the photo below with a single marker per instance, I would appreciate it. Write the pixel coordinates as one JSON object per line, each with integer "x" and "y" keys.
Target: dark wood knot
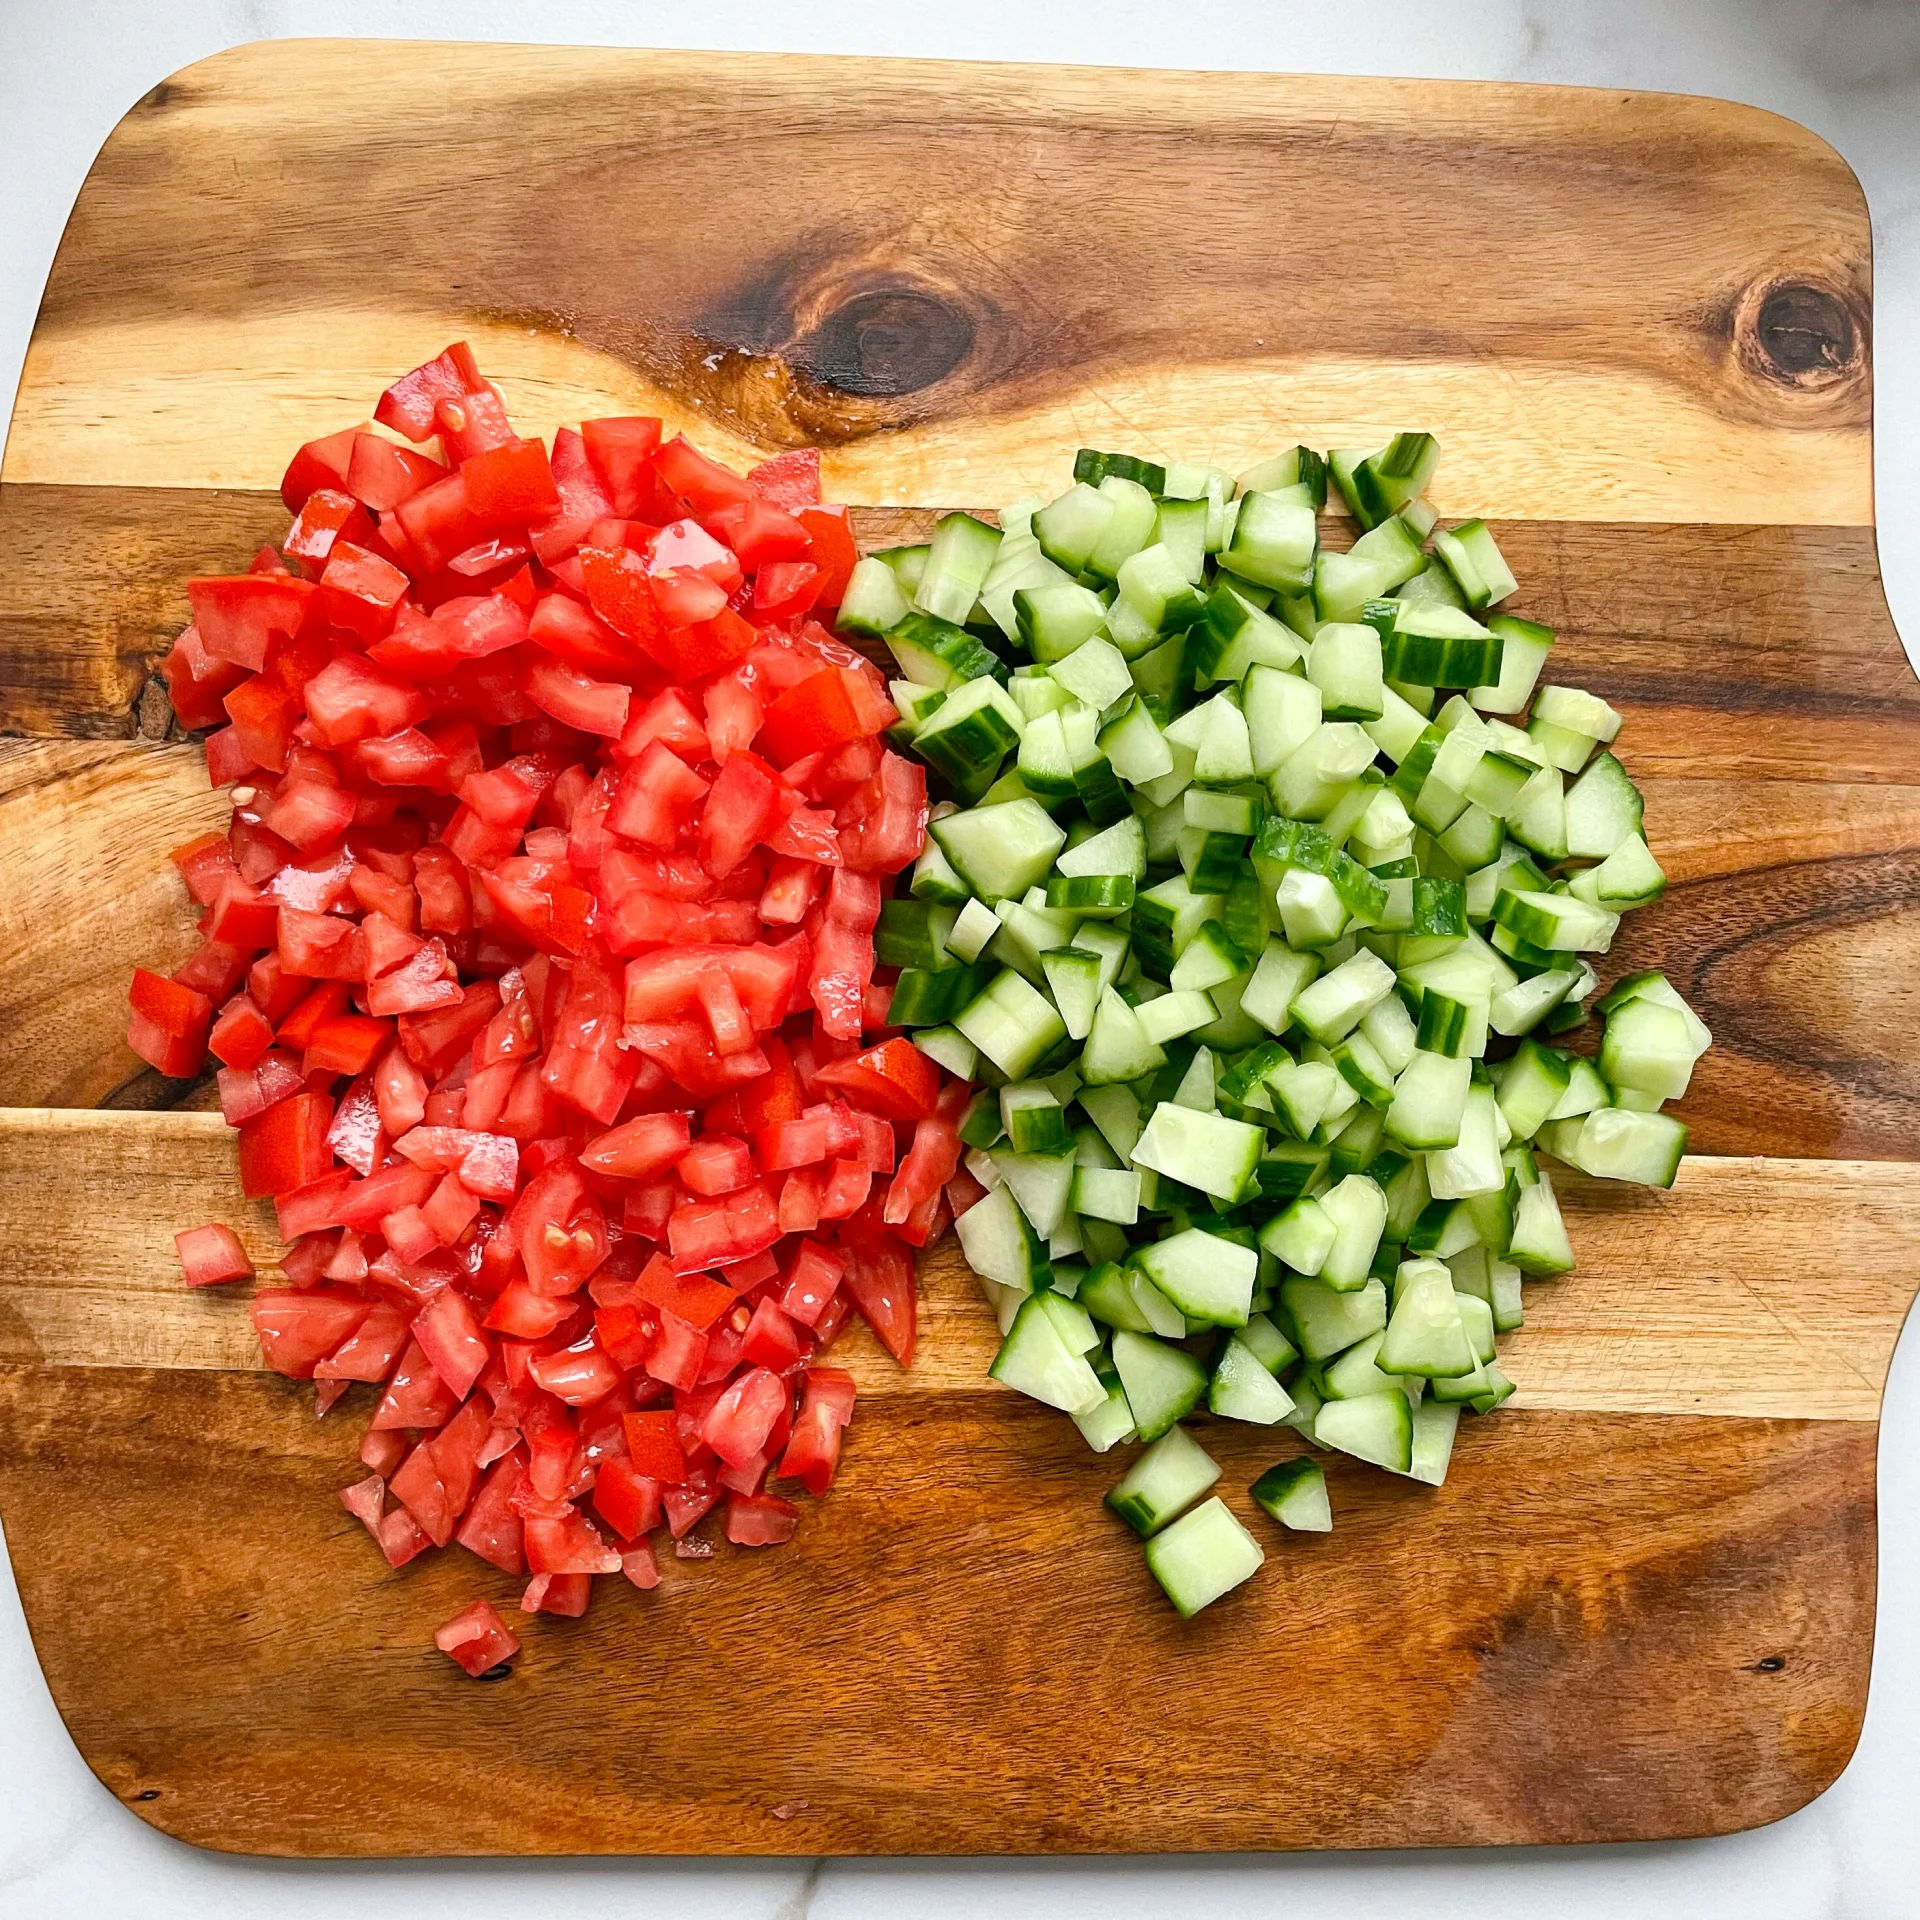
{"x": 884, "y": 342}
{"x": 1804, "y": 330}
{"x": 1799, "y": 341}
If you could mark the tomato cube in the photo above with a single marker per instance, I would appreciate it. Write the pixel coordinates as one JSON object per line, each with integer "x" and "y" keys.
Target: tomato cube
{"x": 212, "y": 1255}
{"x": 477, "y": 1640}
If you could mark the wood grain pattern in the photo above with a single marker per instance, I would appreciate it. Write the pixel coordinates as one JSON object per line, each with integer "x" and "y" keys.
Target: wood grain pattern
{"x": 872, "y": 258}
{"x": 1768, "y": 1288}
{"x": 1642, "y": 1605}
{"x": 1602, "y": 1627}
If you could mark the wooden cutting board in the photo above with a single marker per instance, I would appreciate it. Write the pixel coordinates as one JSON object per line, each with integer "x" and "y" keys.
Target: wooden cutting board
{"x": 1643, "y": 1603}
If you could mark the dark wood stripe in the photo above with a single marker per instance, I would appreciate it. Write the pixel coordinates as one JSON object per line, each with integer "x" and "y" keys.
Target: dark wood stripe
{"x": 1790, "y": 668}
{"x": 1673, "y": 1638}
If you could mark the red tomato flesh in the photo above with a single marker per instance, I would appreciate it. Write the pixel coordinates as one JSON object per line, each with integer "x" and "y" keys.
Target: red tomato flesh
{"x": 537, "y": 961}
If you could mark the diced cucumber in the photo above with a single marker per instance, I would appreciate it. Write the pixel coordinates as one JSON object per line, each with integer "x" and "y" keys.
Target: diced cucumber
{"x": 1012, "y": 1023}
{"x": 1269, "y": 1345}
{"x": 1163, "y": 1483}
{"x": 1358, "y": 1209}
{"x": 1037, "y": 1358}
{"x": 1202, "y": 1150}
{"x": 1425, "y": 1334}
{"x": 1209, "y": 1279}
{"x": 1000, "y": 851}
{"x": 1203, "y": 1555}
{"x": 1111, "y": 1423}
{"x": 958, "y": 560}
{"x": 1483, "y": 577}
{"x": 1243, "y": 1389}
{"x": 1163, "y": 1383}
{"x": 1434, "y": 1427}
{"x": 1107, "y": 1194}
{"x": 1327, "y": 1322}
{"x": 1295, "y": 1494}
{"x": 999, "y": 1243}
{"x": 1377, "y": 1428}
{"x": 1603, "y": 810}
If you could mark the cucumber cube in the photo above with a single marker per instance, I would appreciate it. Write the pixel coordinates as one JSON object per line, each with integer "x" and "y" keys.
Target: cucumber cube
{"x": 1295, "y": 1494}
{"x": 1202, "y": 1556}
{"x": 1163, "y": 1483}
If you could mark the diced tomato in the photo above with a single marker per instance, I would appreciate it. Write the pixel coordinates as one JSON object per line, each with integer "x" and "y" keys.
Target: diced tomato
{"x": 237, "y": 618}
{"x": 879, "y": 1281}
{"x": 477, "y": 1640}
{"x": 760, "y": 1520}
{"x": 320, "y": 463}
{"x": 715, "y": 1165}
{"x": 813, "y": 1452}
{"x": 298, "y": 1327}
{"x": 286, "y": 1146}
{"x": 212, "y": 1255}
{"x": 895, "y": 1079}
{"x": 831, "y": 548}
{"x": 531, "y": 913}
{"x": 622, "y": 451}
{"x": 789, "y": 480}
{"x": 679, "y": 1354}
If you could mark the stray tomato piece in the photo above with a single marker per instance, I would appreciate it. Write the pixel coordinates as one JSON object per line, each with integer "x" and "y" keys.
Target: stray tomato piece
{"x": 212, "y": 1255}
{"x": 477, "y": 1640}
{"x": 760, "y": 1520}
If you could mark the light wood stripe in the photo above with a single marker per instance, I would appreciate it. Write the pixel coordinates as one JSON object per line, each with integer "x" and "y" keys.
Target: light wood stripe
{"x": 886, "y": 273}
{"x": 189, "y": 402}
{"x": 1774, "y": 1288}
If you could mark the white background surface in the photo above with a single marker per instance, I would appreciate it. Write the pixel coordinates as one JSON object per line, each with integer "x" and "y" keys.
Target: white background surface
{"x": 1850, "y": 69}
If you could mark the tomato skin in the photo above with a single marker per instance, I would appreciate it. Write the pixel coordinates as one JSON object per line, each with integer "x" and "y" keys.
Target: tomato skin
{"x": 817, "y": 715}
{"x": 286, "y": 1147}
{"x": 895, "y": 1079}
{"x": 692, "y": 1298}
{"x": 654, "y": 1449}
{"x": 510, "y": 485}
{"x": 626, "y": 1499}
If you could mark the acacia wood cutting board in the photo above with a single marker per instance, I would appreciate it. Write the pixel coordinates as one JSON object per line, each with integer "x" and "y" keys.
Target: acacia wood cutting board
{"x": 1642, "y": 1605}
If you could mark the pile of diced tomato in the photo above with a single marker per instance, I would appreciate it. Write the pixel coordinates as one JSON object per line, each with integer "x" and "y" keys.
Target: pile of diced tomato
{"x": 538, "y": 964}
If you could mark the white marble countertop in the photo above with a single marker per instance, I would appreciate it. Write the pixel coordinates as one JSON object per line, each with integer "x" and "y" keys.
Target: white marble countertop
{"x": 1850, "y": 69}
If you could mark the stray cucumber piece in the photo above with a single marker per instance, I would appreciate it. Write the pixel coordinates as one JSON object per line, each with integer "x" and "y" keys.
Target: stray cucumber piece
{"x": 1295, "y": 1494}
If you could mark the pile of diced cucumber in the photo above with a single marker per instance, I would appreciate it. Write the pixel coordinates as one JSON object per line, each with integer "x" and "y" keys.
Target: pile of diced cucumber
{"x": 1255, "y": 908}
